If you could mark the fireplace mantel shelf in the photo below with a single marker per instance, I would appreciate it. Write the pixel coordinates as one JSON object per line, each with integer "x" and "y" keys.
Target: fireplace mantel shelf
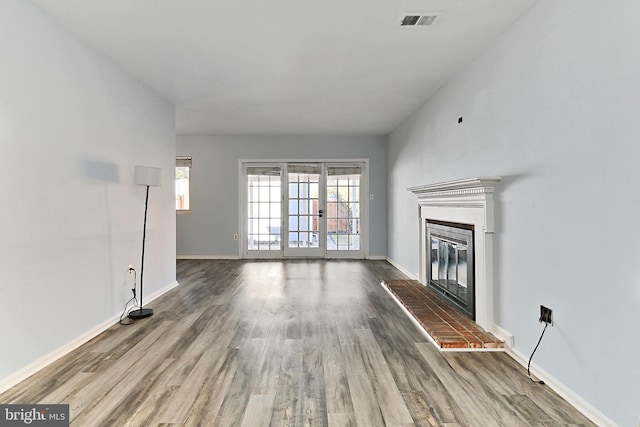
{"x": 459, "y": 187}
{"x": 462, "y": 193}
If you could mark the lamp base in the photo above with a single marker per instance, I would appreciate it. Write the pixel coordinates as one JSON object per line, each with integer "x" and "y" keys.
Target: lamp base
{"x": 141, "y": 313}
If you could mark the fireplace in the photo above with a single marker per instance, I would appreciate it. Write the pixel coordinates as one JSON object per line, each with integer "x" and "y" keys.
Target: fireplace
{"x": 450, "y": 271}
{"x": 463, "y": 203}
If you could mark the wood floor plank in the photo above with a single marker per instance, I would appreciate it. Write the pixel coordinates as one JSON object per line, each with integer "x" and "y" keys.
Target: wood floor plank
{"x": 125, "y": 393}
{"x": 111, "y": 384}
{"x": 205, "y": 408}
{"x": 237, "y": 397}
{"x": 147, "y": 404}
{"x": 314, "y": 401}
{"x": 415, "y": 373}
{"x": 268, "y": 364}
{"x": 365, "y": 405}
{"x": 286, "y": 343}
{"x": 337, "y": 393}
{"x": 259, "y": 410}
{"x": 288, "y": 403}
{"x": 476, "y": 411}
{"x": 392, "y": 405}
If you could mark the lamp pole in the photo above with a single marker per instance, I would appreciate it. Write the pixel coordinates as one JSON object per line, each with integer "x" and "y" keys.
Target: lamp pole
{"x": 146, "y": 312}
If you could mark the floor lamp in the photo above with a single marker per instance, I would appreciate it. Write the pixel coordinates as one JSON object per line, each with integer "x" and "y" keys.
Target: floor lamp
{"x": 147, "y": 176}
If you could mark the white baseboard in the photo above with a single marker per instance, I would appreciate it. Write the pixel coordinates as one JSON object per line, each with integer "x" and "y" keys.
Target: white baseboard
{"x": 159, "y": 292}
{"x": 402, "y": 269}
{"x": 207, "y": 257}
{"x": 47, "y": 359}
{"x": 562, "y": 390}
{"x": 377, "y": 258}
{"x": 503, "y": 335}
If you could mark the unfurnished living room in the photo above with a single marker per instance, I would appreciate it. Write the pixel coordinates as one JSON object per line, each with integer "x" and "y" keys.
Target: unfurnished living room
{"x": 371, "y": 213}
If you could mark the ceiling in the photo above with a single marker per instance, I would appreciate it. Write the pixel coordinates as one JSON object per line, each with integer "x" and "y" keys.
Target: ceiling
{"x": 288, "y": 66}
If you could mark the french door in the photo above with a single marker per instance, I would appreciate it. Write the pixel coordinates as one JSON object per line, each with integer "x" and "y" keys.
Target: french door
{"x": 303, "y": 209}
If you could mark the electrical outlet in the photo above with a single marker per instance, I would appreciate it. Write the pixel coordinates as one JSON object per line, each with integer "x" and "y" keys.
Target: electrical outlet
{"x": 235, "y": 237}
{"x": 545, "y": 315}
{"x": 131, "y": 275}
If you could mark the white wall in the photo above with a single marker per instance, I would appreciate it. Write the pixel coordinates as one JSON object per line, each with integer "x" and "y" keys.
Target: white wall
{"x": 552, "y": 106}
{"x": 209, "y": 229}
{"x": 72, "y": 127}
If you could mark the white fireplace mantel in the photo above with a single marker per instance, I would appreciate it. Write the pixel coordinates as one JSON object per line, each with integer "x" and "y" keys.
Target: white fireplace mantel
{"x": 465, "y": 201}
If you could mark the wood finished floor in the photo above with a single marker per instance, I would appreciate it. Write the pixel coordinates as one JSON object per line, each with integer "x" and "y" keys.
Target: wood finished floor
{"x": 286, "y": 343}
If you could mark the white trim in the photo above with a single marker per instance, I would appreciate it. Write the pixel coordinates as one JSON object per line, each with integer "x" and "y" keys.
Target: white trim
{"x": 410, "y": 316}
{"x": 356, "y": 255}
{"x": 562, "y": 390}
{"x": 160, "y": 292}
{"x": 503, "y": 335}
{"x": 467, "y": 201}
{"x": 402, "y": 269}
{"x": 430, "y": 338}
{"x": 47, "y": 359}
{"x": 305, "y": 160}
{"x": 242, "y": 201}
{"x": 255, "y": 254}
{"x": 207, "y": 257}
{"x": 377, "y": 258}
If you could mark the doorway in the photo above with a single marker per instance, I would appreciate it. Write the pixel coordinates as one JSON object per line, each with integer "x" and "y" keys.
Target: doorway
{"x": 304, "y": 209}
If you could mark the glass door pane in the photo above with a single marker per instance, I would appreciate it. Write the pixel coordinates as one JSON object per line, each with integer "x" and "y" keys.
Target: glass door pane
{"x": 304, "y": 219}
{"x": 264, "y": 209}
{"x": 343, "y": 210}
{"x": 304, "y": 209}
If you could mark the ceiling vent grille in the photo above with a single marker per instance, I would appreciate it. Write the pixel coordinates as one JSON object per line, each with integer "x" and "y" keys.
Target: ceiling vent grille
{"x": 415, "y": 20}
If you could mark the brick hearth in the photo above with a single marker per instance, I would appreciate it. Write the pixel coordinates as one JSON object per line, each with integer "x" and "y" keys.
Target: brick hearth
{"x": 448, "y": 328}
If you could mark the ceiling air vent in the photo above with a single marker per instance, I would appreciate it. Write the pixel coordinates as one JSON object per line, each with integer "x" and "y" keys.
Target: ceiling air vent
{"x": 414, "y": 20}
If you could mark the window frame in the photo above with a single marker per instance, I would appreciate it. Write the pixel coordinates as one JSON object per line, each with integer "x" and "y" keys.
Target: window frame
{"x": 185, "y": 162}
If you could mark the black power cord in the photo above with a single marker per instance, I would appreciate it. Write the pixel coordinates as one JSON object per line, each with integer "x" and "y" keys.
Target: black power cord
{"x": 122, "y": 316}
{"x": 134, "y": 299}
{"x": 534, "y": 352}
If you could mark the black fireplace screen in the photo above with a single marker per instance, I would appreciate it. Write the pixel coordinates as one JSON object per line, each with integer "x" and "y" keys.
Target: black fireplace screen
{"x": 450, "y": 264}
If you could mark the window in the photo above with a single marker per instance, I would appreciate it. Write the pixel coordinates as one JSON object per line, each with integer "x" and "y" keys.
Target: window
{"x": 183, "y": 183}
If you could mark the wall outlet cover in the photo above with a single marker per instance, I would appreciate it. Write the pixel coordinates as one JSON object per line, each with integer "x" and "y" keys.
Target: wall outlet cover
{"x": 545, "y": 314}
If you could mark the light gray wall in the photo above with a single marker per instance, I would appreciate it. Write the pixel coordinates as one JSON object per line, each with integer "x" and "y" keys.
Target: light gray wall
{"x": 72, "y": 127}
{"x": 209, "y": 229}
{"x": 552, "y": 106}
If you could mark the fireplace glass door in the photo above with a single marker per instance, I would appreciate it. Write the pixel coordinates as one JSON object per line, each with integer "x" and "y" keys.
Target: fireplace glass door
{"x": 450, "y": 264}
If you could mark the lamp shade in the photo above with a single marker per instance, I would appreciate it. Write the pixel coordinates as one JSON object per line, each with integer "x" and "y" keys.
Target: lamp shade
{"x": 148, "y": 175}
